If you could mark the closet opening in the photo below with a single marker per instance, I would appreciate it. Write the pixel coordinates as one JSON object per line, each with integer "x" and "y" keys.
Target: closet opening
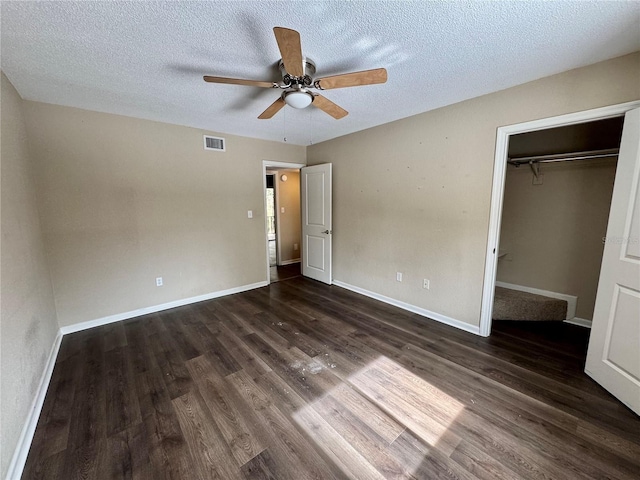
{"x": 557, "y": 197}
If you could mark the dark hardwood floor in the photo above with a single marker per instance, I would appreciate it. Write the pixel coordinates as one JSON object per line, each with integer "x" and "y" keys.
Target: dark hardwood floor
{"x": 300, "y": 380}
{"x": 285, "y": 272}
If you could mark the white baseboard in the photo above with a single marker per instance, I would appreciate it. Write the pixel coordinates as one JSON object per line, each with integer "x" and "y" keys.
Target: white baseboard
{"x": 411, "y": 308}
{"x": 289, "y": 262}
{"x": 581, "y": 322}
{"x": 76, "y": 327}
{"x": 26, "y": 436}
{"x": 572, "y": 301}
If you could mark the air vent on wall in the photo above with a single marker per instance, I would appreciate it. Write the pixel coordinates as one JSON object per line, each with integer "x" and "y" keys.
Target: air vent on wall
{"x": 214, "y": 143}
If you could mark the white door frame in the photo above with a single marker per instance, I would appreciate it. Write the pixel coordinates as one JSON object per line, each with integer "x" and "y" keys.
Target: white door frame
{"x": 265, "y": 164}
{"x": 497, "y": 190}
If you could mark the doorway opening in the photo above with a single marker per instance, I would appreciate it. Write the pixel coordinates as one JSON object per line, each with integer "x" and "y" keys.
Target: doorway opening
{"x": 557, "y": 197}
{"x": 270, "y": 200}
{"x": 282, "y": 219}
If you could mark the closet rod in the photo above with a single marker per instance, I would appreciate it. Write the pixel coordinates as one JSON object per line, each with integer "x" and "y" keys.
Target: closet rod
{"x": 564, "y": 157}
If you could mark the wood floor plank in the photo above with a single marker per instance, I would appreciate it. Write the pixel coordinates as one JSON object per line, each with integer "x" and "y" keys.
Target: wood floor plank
{"x": 261, "y": 467}
{"x": 72, "y": 344}
{"x": 186, "y": 342}
{"x": 290, "y": 371}
{"x": 86, "y": 461}
{"x": 384, "y": 425}
{"x": 424, "y": 461}
{"x": 88, "y": 415}
{"x": 114, "y": 336}
{"x": 287, "y": 444}
{"x": 169, "y": 453}
{"x": 290, "y": 333}
{"x": 212, "y": 457}
{"x": 242, "y": 354}
{"x": 45, "y": 467}
{"x": 171, "y": 363}
{"x": 605, "y": 440}
{"x": 360, "y": 436}
{"x": 409, "y": 414}
{"x": 128, "y": 455}
{"x": 244, "y": 445}
{"x": 211, "y": 322}
{"x": 138, "y": 345}
{"x": 481, "y": 464}
{"x": 122, "y": 409}
{"x": 436, "y": 466}
{"x": 52, "y": 433}
{"x": 300, "y": 380}
{"x": 337, "y": 448}
{"x": 280, "y": 392}
{"x": 220, "y": 358}
{"x": 319, "y": 377}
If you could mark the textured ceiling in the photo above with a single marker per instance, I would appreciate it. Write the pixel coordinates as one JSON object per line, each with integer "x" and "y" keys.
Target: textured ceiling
{"x": 147, "y": 59}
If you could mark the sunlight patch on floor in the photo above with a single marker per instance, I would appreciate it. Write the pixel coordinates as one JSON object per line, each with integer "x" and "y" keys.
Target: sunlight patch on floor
{"x": 358, "y": 423}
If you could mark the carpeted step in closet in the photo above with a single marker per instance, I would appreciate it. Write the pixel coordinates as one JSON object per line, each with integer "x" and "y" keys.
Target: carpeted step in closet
{"x": 516, "y": 305}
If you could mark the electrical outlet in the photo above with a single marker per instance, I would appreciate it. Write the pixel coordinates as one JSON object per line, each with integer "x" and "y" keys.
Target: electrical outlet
{"x": 295, "y": 246}
{"x": 281, "y": 209}
{"x": 399, "y": 276}
{"x": 425, "y": 284}
{"x": 158, "y": 281}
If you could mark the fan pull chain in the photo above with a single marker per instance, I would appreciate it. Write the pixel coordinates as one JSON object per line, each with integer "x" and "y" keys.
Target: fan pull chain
{"x": 284, "y": 124}
{"x": 310, "y": 128}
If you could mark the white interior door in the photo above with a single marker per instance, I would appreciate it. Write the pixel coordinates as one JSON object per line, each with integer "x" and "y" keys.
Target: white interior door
{"x": 613, "y": 357}
{"x": 315, "y": 190}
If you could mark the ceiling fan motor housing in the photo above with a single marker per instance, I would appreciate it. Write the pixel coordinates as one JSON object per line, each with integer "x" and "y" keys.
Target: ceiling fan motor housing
{"x": 296, "y": 93}
{"x": 309, "y": 70}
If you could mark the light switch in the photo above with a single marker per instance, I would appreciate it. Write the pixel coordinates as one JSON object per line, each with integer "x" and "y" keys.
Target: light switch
{"x": 250, "y": 214}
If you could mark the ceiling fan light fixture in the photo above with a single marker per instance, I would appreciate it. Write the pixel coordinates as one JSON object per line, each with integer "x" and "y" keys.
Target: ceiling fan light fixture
{"x": 298, "y": 99}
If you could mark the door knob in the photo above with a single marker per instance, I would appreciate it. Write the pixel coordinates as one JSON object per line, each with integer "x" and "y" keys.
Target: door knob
{"x": 327, "y": 232}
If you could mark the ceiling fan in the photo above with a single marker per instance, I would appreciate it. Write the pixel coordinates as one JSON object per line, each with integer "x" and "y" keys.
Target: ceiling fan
{"x": 297, "y": 79}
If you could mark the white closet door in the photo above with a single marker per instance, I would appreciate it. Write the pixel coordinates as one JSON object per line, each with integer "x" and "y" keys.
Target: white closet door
{"x": 613, "y": 357}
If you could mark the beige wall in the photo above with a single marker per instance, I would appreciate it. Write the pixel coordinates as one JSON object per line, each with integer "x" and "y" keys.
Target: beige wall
{"x": 124, "y": 201}
{"x": 289, "y": 222}
{"x": 414, "y": 195}
{"x": 552, "y": 233}
{"x": 28, "y": 324}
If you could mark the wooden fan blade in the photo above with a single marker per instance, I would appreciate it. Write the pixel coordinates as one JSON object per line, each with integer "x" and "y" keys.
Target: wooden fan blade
{"x": 239, "y": 81}
{"x": 272, "y": 110}
{"x": 327, "y": 106}
{"x": 290, "y": 49}
{"x": 367, "y": 77}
